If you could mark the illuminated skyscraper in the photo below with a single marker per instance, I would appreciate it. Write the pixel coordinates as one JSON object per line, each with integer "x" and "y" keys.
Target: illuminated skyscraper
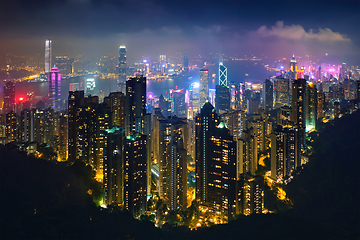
{"x": 135, "y": 105}
{"x": 293, "y": 68}
{"x": 222, "y": 74}
{"x": 204, "y": 86}
{"x": 116, "y": 103}
{"x": 222, "y": 99}
{"x": 298, "y": 108}
{"x": 122, "y": 69}
{"x": 135, "y": 174}
{"x": 47, "y": 56}
{"x": 172, "y": 161}
{"x": 247, "y": 154}
{"x": 90, "y": 86}
{"x": 54, "y": 80}
{"x": 9, "y": 97}
{"x": 251, "y": 195}
{"x": 281, "y": 92}
{"x": 215, "y": 164}
{"x": 285, "y": 152}
{"x": 114, "y": 157}
{"x": 310, "y": 107}
{"x": 234, "y": 96}
{"x": 268, "y": 95}
{"x": 206, "y": 122}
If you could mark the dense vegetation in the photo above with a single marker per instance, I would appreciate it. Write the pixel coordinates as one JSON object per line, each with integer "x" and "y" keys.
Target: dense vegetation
{"x": 46, "y": 200}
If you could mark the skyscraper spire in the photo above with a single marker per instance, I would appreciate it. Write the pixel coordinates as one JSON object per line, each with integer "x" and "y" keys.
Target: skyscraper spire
{"x": 222, "y": 73}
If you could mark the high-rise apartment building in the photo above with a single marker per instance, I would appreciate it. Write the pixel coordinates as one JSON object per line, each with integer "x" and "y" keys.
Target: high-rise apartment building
{"x": 113, "y": 166}
{"x": 267, "y": 95}
{"x": 135, "y": 174}
{"x": 285, "y": 152}
{"x": 247, "y": 153}
{"x": 298, "y": 108}
{"x": 135, "y": 105}
{"x": 215, "y": 164}
{"x": 122, "y": 69}
{"x": 281, "y": 92}
{"x": 116, "y": 103}
{"x": 172, "y": 141}
{"x": 204, "y": 86}
{"x": 54, "y": 80}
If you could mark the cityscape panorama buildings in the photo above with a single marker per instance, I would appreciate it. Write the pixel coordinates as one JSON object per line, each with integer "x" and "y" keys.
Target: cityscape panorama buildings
{"x": 168, "y": 136}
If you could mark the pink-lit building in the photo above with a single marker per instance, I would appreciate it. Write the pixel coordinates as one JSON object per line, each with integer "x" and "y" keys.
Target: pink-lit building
{"x": 54, "y": 79}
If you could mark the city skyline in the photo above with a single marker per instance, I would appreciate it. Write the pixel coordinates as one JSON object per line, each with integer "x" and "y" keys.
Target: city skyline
{"x": 243, "y": 28}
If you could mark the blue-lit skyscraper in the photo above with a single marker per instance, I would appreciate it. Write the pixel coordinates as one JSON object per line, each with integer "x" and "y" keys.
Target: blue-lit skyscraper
{"x": 222, "y": 73}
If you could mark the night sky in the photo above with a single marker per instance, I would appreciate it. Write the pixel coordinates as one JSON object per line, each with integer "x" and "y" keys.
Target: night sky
{"x": 273, "y": 28}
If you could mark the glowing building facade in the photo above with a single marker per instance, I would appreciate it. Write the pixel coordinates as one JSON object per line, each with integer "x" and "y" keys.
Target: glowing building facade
{"x": 54, "y": 79}
{"x": 204, "y": 86}
{"x": 47, "y": 56}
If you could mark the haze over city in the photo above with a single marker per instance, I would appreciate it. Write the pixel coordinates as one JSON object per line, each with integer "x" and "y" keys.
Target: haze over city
{"x": 179, "y": 119}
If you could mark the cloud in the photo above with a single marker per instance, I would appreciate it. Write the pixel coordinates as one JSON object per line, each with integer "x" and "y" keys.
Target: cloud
{"x": 297, "y": 32}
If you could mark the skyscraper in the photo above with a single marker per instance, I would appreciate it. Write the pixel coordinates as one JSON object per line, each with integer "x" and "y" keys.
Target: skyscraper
{"x": 135, "y": 105}
{"x": 310, "y": 107}
{"x": 293, "y": 68}
{"x": 215, "y": 164}
{"x": 298, "y": 108}
{"x": 54, "y": 80}
{"x": 116, "y": 103}
{"x": 48, "y": 56}
{"x": 135, "y": 174}
{"x": 281, "y": 92}
{"x": 114, "y": 157}
{"x": 122, "y": 69}
{"x": 222, "y": 74}
{"x": 172, "y": 160}
{"x": 204, "y": 86}
{"x": 267, "y": 95}
{"x": 186, "y": 64}
{"x": 9, "y": 97}
{"x": 222, "y": 99}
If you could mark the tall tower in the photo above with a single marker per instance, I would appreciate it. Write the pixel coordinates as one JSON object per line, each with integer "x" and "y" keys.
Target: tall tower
{"x": 122, "y": 69}
{"x": 54, "y": 79}
{"x": 222, "y": 73}
{"x": 135, "y": 105}
{"x": 47, "y": 56}
{"x": 204, "y": 86}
